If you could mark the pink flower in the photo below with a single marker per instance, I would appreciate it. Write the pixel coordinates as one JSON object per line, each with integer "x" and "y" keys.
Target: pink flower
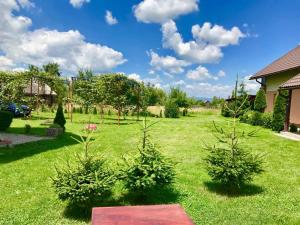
{"x": 91, "y": 127}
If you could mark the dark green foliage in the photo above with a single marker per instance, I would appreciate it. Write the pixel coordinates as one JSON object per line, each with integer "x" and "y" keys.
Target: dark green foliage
{"x": 224, "y": 110}
{"x": 257, "y": 119}
{"x": 60, "y": 117}
{"x": 86, "y": 110}
{"x": 27, "y": 129}
{"x": 84, "y": 184}
{"x": 279, "y": 112}
{"x": 80, "y": 110}
{"x": 160, "y": 114}
{"x": 171, "y": 109}
{"x": 232, "y": 166}
{"x": 149, "y": 170}
{"x": 6, "y": 119}
{"x": 293, "y": 128}
{"x": 87, "y": 182}
{"x": 74, "y": 110}
{"x": 184, "y": 112}
{"x": 109, "y": 112}
{"x": 66, "y": 111}
{"x": 95, "y": 111}
{"x": 179, "y": 97}
{"x": 260, "y": 102}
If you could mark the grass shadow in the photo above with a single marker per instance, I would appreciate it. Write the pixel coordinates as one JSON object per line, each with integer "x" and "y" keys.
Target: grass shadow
{"x": 8, "y": 155}
{"x": 161, "y": 196}
{"x": 245, "y": 190}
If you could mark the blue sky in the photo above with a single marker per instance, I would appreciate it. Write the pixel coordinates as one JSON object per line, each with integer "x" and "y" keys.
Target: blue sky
{"x": 152, "y": 40}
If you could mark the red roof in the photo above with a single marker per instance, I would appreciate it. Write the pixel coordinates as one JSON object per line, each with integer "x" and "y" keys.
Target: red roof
{"x": 291, "y": 83}
{"x": 289, "y": 61}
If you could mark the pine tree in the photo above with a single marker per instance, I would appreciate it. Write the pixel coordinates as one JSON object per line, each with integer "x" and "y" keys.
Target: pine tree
{"x": 279, "y": 112}
{"x": 60, "y": 117}
{"x": 260, "y": 102}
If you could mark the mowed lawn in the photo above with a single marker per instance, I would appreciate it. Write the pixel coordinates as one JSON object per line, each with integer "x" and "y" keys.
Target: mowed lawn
{"x": 27, "y": 197}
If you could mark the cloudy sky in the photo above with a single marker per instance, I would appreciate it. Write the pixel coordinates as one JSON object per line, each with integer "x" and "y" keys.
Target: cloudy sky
{"x": 198, "y": 45}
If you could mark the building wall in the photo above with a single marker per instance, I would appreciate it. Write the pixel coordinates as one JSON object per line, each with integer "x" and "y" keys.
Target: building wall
{"x": 270, "y": 97}
{"x": 272, "y": 85}
{"x": 295, "y": 107}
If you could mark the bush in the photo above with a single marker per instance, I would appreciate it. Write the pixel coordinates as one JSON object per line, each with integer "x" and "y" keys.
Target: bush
{"x": 87, "y": 182}
{"x": 27, "y": 129}
{"x": 84, "y": 184}
{"x": 257, "y": 119}
{"x": 279, "y": 112}
{"x": 260, "y": 102}
{"x": 267, "y": 119}
{"x": 149, "y": 170}
{"x": 232, "y": 167}
{"x": 227, "y": 162}
{"x": 60, "y": 117}
{"x": 95, "y": 111}
{"x": 6, "y": 119}
{"x": 160, "y": 114}
{"x": 80, "y": 110}
{"x": 293, "y": 128}
{"x": 171, "y": 109}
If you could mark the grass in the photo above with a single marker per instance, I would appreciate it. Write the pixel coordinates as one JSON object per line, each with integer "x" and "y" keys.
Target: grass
{"x": 27, "y": 196}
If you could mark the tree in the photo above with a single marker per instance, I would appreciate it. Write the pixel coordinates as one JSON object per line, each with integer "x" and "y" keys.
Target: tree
{"x": 228, "y": 162}
{"x": 116, "y": 90}
{"x": 279, "y": 111}
{"x": 179, "y": 97}
{"x": 260, "y": 102}
{"x": 52, "y": 69}
{"x": 60, "y": 117}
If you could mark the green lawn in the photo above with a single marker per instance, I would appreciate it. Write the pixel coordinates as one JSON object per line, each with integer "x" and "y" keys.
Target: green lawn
{"x": 27, "y": 197}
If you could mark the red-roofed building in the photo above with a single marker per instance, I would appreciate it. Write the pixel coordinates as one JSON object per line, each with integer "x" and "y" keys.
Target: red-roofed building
{"x": 283, "y": 73}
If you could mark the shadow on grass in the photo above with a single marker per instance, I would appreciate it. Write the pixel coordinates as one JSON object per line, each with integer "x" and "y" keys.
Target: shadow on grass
{"x": 8, "y": 155}
{"x": 245, "y": 190}
{"x": 162, "y": 196}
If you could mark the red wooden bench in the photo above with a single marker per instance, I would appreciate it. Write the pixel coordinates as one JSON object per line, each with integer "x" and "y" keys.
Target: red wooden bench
{"x": 141, "y": 215}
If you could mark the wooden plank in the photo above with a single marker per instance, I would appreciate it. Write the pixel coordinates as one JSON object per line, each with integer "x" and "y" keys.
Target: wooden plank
{"x": 141, "y": 215}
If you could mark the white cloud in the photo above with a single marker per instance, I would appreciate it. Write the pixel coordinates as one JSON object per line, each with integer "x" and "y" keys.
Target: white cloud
{"x": 78, "y": 3}
{"x": 206, "y": 48}
{"x": 251, "y": 86}
{"x": 160, "y": 11}
{"x": 110, "y": 19}
{"x": 204, "y": 89}
{"x": 217, "y": 35}
{"x": 6, "y": 63}
{"x": 179, "y": 83}
{"x": 135, "y": 76}
{"x": 200, "y": 73}
{"x": 221, "y": 73}
{"x": 168, "y": 63}
{"x": 41, "y": 46}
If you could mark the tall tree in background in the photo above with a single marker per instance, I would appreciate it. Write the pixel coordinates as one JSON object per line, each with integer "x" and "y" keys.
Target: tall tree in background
{"x": 260, "y": 102}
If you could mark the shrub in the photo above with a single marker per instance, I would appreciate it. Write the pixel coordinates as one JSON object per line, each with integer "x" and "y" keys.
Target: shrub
{"x": 6, "y": 119}
{"x": 109, "y": 113}
{"x": 27, "y": 129}
{"x": 95, "y": 111}
{"x": 55, "y": 125}
{"x": 184, "y": 112}
{"x": 60, "y": 117}
{"x": 293, "y": 128}
{"x": 160, "y": 114}
{"x": 87, "y": 182}
{"x": 227, "y": 162}
{"x": 232, "y": 166}
{"x": 260, "y": 102}
{"x": 149, "y": 170}
{"x": 80, "y": 110}
{"x": 279, "y": 112}
{"x": 171, "y": 109}
{"x": 65, "y": 111}
{"x": 267, "y": 119}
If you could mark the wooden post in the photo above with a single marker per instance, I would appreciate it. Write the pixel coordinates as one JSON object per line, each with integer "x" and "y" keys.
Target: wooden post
{"x": 288, "y": 110}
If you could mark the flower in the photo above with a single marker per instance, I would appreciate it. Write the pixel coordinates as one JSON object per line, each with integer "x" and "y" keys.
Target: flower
{"x": 91, "y": 127}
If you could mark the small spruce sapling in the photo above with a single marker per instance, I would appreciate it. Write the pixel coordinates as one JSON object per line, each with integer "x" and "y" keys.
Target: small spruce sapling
{"x": 60, "y": 117}
{"x": 150, "y": 169}
{"x": 228, "y": 163}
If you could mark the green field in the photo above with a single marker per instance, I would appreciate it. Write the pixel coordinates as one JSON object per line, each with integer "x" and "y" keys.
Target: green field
{"x": 27, "y": 196}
